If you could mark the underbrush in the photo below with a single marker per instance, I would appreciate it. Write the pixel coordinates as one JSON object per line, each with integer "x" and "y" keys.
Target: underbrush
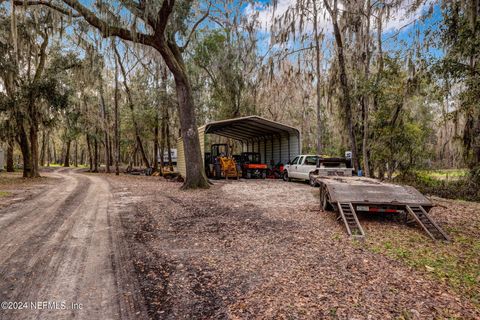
{"x": 463, "y": 187}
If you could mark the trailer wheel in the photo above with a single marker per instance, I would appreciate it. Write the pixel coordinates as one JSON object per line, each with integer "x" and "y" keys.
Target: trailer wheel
{"x": 324, "y": 201}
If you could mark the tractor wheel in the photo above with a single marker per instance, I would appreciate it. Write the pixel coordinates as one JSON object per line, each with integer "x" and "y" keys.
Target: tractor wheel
{"x": 285, "y": 176}
{"x": 218, "y": 171}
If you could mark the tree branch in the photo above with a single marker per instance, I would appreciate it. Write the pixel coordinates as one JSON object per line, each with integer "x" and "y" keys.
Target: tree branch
{"x": 64, "y": 11}
{"x": 182, "y": 48}
{"x": 105, "y": 28}
{"x": 162, "y": 19}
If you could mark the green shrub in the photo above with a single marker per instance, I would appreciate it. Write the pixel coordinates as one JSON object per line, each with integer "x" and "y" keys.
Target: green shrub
{"x": 464, "y": 188}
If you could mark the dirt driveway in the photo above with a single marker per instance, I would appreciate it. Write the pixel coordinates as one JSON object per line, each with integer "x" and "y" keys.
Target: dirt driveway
{"x": 61, "y": 254}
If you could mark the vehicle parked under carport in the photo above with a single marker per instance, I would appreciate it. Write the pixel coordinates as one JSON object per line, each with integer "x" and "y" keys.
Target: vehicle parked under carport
{"x": 300, "y": 167}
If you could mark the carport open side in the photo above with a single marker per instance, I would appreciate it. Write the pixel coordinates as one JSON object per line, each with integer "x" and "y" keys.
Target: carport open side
{"x": 273, "y": 140}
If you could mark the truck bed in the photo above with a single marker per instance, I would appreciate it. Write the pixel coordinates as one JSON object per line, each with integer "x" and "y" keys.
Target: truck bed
{"x": 370, "y": 191}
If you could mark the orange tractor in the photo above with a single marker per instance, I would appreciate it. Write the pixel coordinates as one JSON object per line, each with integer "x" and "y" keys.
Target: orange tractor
{"x": 251, "y": 165}
{"x": 220, "y": 164}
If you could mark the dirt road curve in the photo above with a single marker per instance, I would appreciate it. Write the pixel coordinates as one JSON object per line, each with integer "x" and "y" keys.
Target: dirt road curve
{"x": 64, "y": 246}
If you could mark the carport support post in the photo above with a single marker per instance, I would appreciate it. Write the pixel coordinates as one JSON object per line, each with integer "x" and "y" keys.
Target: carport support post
{"x": 280, "y": 148}
{"x": 271, "y": 140}
{"x": 288, "y": 146}
{"x": 298, "y": 148}
{"x": 265, "y": 150}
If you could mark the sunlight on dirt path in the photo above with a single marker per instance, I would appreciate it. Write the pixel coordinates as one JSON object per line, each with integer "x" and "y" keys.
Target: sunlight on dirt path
{"x": 63, "y": 247}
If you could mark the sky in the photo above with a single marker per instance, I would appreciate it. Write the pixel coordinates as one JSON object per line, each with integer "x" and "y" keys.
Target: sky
{"x": 399, "y": 31}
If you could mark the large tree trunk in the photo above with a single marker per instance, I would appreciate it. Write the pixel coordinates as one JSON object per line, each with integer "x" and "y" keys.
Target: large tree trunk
{"x": 25, "y": 148}
{"x": 90, "y": 157}
{"x": 34, "y": 149}
{"x": 54, "y": 148}
{"x": 82, "y": 156}
{"x": 195, "y": 174}
{"x": 345, "y": 98}
{"x": 365, "y": 99}
{"x": 95, "y": 153}
{"x": 42, "y": 150}
{"x": 48, "y": 149}
{"x": 66, "y": 161}
{"x": 75, "y": 159}
{"x": 319, "y": 83}
{"x": 33, "y": 112}
{"x": 105, "y": 128}
{"x": 110, "y": 149}
{"x": 10, "y": 167}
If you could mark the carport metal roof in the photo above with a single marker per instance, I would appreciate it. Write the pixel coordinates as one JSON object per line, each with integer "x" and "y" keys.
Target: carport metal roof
{"x": 249, "y": 128}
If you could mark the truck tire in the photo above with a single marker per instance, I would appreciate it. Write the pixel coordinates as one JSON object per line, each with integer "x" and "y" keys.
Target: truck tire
{"x": 285, "y": 176}
{"x": 311, "y": 181}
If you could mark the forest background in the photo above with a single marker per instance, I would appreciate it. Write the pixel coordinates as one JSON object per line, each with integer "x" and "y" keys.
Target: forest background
{"x": 109, "y": 82}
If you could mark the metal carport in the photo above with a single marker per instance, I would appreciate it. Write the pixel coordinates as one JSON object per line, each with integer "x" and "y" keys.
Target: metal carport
{"x": 273, "y": 140}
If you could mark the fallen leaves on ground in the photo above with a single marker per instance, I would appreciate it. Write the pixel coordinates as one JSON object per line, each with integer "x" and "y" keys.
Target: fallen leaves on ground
{"x": 262, "y": 249}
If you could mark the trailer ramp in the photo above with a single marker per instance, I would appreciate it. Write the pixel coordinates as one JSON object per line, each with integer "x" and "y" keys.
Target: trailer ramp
{"x": 347, "y": 212}
{"x": 423, "y": 219}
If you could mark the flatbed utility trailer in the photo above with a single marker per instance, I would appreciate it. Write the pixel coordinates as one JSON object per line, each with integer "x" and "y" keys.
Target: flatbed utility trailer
{"x": 349, "y": 195}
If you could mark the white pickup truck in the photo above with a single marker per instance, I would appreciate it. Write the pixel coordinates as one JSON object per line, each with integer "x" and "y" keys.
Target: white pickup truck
{"x": 310, "y": 167}
{"x": 300, "y": 167}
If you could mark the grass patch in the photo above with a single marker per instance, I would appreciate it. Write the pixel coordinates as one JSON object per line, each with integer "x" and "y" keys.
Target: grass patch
{"x": 444, "y": 174}
{"x": 59, "y": 165}
{"x": 4, "y": 193}
{"x": 11, "y": 178}
{"x": 456, "y": 264}
{"x": 461, "y": 184}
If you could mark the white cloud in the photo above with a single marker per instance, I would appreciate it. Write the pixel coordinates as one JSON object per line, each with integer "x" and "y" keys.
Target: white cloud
{"x": 266, "y": 13}
{"x": 404, "y": 16}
